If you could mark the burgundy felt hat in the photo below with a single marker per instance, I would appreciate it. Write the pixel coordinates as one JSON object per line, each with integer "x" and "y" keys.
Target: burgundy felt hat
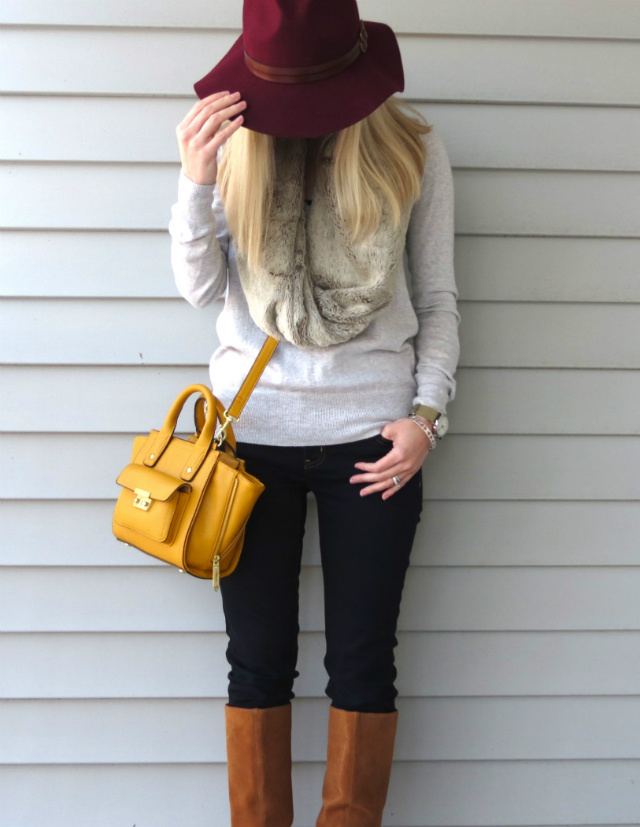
{"x": 307, "y": 67}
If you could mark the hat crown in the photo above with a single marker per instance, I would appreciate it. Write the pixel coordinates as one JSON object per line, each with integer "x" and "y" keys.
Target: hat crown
{"x": 297, "y": 33}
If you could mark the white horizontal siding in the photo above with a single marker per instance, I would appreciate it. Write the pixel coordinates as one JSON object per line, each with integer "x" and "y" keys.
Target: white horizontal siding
{"x": 156, "y": 730}
{"x": 517, "y": 666}
{"x": 431, "y": 664}
{"x": 490, "y": 466}
{"x": 533, "y": 18}
{"x": 168, "y": 61}
{"x": 511, "y": 202}
{"x": 104, "y": 264}
{"x": 583, "y": 138}
{"x": 108, "y": 332}
{"x": 488, "y": 268}
{"x": 547, "y": 269}
{"x": 488, "y": 400}
{"x": 133, "y": 332}
{"x": 451, "y": 533}
{"x": 421, "y": 794}
{"x": 161, "y": 599}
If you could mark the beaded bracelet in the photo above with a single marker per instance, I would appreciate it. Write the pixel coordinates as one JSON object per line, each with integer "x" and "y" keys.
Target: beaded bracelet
{"x": 426, "y": 429}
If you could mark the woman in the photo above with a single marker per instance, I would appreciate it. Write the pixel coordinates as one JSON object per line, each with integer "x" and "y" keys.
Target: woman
{"x": 322, "y": 210}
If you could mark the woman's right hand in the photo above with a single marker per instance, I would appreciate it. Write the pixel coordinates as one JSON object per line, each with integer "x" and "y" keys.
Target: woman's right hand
{"x": 199, "y": 134}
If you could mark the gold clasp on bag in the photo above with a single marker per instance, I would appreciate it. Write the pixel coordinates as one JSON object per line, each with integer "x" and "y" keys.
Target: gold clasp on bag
{"x": 142, "y": 500}
{"x": 222, "y": 433}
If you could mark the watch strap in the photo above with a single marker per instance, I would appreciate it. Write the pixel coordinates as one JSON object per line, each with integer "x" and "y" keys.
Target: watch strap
{"x": 426, "y": 412}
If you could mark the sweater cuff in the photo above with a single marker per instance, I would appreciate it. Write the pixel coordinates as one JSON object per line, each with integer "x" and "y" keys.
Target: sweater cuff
{"x": 196, "y": 201}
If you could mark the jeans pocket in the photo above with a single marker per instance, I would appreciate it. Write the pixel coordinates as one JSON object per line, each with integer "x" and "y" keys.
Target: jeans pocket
{"x": 384, "y": 441}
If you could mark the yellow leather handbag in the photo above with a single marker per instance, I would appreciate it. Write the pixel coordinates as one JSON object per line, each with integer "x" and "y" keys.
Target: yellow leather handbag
{"x": 187, "y": 501}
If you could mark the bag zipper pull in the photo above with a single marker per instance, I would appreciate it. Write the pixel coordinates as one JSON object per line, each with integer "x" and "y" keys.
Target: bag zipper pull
{"x": 216, "y": 572}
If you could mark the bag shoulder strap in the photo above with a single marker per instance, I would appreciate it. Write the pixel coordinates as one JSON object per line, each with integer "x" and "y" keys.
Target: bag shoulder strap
{"x": 247, "y": 387}
{"x": 232, "y": 414}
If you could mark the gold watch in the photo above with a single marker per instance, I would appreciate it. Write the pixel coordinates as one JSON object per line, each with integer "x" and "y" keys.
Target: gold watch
{"x": 440, "y": 420}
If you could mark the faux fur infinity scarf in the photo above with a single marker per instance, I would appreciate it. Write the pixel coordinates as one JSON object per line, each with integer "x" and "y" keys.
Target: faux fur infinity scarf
{"x": 316, "y": 289}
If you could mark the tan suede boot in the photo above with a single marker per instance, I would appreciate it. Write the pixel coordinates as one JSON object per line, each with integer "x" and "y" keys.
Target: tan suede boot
{"x": 259, "y": 766}
{"x": 359, "y": 756}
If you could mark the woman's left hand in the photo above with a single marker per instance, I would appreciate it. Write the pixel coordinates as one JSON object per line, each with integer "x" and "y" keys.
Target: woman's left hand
{"x": 410, "y": 449}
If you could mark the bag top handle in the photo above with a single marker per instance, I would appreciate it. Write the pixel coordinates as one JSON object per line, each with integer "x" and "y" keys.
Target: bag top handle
{"x": 215, "y": 413}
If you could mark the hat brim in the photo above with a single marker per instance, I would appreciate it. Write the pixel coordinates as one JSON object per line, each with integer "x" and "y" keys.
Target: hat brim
{"x": 307, "y": 110}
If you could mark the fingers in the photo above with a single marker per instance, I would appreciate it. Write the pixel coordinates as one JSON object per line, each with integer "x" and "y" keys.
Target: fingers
{"x": 376, "y": 474}
{"x": 221, "y": 135}
{"x": 387, "y": 486}
{"x": 395, "y": 488}
{"x": 386, "y": 482}
{"x": 391, "y": 458}
{"x": 205, "y": 118}
{"x": 212, "y": 121}
{"x": 200, "y": 106}
{"x": 379, "y": 475}
{"x": 203, "y": 131}
{"x": 410, "y": 449}
{"x": 383, "y": 479}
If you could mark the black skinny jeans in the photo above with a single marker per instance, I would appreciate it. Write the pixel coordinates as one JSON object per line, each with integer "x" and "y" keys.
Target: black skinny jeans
{"x": 365, "y": 545}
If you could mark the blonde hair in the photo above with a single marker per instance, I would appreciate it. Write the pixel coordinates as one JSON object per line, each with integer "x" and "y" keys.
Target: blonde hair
{"x": 379, "y": 160}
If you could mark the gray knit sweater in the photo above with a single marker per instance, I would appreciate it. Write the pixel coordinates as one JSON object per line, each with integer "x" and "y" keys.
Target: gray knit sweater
{"x": 323, "y": 396}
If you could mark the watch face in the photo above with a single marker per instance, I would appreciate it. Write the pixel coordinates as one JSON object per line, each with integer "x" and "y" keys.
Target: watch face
{"x": 442, "y": 426}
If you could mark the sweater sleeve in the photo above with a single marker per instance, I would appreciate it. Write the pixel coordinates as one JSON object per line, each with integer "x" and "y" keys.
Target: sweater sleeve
{"x": 430, "y": 238}
{"x": 199, "y": 242}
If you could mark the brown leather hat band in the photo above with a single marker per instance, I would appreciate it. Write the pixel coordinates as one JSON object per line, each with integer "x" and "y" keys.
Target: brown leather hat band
{"x": 306, "y": 74}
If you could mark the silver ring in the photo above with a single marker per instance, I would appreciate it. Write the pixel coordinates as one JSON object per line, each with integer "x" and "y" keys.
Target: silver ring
{"x": 396, "y": 480}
